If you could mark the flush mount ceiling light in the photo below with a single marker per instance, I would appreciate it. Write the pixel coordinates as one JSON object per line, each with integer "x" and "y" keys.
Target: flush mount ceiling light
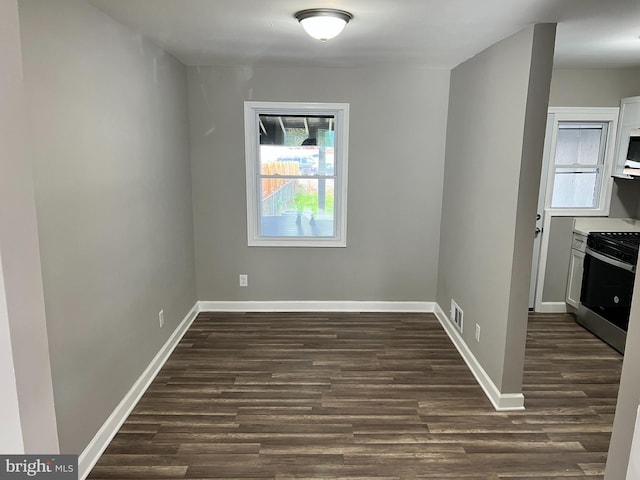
{"x": 323, "y": 23}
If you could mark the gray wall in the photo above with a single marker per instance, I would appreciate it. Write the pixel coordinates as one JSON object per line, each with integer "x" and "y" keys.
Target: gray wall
{"x": 27, "y": 416}
{"x": 558, "y": 256}
{"x": 108, "y": 121}
{"x": 396, "y": 155}
{"x": 593, "y": 87}
{"x": 625, "y": 198}
{"x": 490, "y": 191}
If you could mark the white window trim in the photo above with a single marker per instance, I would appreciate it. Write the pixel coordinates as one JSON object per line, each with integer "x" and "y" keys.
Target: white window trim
{"x": 576, "y": 114}
{"x": 252, "y": 110}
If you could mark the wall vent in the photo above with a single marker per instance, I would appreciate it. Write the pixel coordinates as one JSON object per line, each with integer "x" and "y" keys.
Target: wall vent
{"x": 456, "y": 315}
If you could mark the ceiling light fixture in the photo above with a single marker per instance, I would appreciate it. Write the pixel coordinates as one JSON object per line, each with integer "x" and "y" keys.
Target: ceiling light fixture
{"x": 323, "y": 23}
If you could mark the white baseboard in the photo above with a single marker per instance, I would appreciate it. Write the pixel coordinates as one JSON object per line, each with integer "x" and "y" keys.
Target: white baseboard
{"x": 552, "y": 307}
{"x": 500, "y": 401}
{"x": 103, "y": 437}
{"x": 316, "y": 306}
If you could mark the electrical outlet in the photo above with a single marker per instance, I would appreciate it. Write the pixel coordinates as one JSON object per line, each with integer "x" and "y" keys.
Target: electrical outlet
{"x": 477, "y": 332}
{"x": 456, "y": 315}
{"x": 161, "y": 318}
{"x": 244, "y": 280}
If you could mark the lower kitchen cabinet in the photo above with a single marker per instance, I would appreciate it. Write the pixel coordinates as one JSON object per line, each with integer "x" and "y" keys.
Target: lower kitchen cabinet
{"x": 574, "y": 280}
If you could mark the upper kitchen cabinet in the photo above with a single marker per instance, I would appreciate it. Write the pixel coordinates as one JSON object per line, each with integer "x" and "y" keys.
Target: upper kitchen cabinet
{"x": 627, "y": 164}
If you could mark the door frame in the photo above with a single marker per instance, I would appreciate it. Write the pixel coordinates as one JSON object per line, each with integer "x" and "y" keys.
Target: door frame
{"x": 537, "y": 241}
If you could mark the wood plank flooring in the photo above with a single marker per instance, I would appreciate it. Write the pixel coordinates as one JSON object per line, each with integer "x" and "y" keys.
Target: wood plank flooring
{"x": 364, "y": 396}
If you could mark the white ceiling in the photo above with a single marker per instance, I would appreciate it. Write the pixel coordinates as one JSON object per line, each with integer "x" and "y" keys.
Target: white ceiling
{"x": 435, "y": 33}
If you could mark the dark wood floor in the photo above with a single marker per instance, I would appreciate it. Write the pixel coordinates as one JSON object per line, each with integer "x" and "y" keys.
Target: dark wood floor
{"x": 357, "y": 396}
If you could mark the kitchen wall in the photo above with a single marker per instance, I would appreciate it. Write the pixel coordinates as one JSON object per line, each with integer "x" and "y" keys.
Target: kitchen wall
{"x": 396, "y": 160}
{"x": 558, "y": 256}
{"x": 499, "y": 100}
{"x": 588, "y": 88}
{"x": 592, "y": 87}
{"x": 108, "y": 125}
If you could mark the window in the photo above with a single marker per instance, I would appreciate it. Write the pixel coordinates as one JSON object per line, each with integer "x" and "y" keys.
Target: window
{"x": 578, "y": 165}
{"x": 579, "y": 180}
{"x": 296, "y": 167}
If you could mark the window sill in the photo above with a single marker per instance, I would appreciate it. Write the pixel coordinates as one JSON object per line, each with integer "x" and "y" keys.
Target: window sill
{"x": 297, "y": 242}
{"x": 556, "y": 212}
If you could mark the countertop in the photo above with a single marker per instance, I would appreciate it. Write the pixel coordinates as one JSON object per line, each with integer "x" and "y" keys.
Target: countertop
{"x": 585, "y": 225}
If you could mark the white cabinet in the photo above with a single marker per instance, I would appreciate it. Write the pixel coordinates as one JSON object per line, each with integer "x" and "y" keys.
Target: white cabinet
{"x": 629, "y": 120}
{"x": 574, "y": 281}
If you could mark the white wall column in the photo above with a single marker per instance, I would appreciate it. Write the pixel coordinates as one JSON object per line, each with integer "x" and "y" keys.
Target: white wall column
{"x": 11, "y": 432}
{"x": 29, "y": 423}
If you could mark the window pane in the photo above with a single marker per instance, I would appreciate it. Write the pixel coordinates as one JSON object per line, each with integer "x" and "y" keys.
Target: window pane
{"x": 296, "y": 173}
{"x": 579, "y": 144}
{"x": 300, "y": 207}
{"x": 572, "y": 189}
{"x": 307, "y": 160}
{"x": 297, "y": 145}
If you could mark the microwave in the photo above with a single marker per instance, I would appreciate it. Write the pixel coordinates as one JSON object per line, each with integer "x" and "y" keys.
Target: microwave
{"x": 633, "y": 151}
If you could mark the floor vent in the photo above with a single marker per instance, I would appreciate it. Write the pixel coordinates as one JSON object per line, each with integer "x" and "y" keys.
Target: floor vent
{"x": 456, "y": 315}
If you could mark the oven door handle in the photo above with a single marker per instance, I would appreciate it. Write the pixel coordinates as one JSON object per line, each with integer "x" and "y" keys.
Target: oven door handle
{"x": 610, "y": 261}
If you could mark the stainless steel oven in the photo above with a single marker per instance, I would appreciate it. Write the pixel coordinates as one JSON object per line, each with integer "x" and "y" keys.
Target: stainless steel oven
{"x": 607, "y": 285}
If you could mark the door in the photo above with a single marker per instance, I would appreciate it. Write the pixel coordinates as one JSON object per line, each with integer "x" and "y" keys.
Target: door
{"x": 539, "y": 230}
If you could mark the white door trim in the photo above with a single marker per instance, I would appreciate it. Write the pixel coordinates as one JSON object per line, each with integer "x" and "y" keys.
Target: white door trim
{"x": 537, "y": 241}
{"x": 542, "y": 261}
